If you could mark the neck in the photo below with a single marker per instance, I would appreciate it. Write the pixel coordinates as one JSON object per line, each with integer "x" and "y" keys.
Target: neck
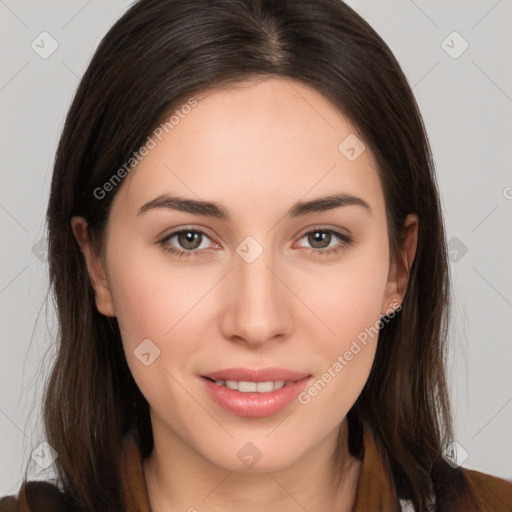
{"x": 177, "y": 478}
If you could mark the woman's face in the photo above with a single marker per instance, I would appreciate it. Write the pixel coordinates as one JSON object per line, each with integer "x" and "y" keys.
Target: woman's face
{"x": 251, "y": 292}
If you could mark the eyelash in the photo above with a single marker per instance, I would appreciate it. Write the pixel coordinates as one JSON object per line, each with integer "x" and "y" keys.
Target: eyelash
{"x": 346, "y": 241}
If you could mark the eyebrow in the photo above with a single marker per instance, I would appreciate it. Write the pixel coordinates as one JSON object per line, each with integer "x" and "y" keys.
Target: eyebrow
{"x": 216, "y": 210}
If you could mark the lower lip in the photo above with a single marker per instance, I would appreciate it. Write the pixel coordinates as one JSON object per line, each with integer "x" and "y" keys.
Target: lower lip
{"x": 253, "y": 404}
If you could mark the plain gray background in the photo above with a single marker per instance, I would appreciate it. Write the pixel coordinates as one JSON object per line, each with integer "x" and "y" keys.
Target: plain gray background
{"x": 466, "y": 101}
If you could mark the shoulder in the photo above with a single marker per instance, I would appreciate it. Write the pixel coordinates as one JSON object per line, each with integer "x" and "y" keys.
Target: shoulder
{"x": 36, "y": 496}
{"x": 494, "y": 493}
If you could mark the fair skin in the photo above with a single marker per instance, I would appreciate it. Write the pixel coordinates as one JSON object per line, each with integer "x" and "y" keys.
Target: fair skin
{"x": 256, "y": 148}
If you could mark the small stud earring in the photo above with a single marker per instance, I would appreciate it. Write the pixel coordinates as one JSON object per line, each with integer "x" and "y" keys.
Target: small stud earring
{"x": 393, "y": 306}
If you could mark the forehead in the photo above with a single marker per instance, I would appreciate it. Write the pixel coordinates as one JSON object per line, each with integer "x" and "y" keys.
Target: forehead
{"x": 255, "y": 145}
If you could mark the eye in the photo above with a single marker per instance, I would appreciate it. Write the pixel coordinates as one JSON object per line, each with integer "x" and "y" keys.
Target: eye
{"x": 191, "y": 241}
{"x": 323, "y": 237}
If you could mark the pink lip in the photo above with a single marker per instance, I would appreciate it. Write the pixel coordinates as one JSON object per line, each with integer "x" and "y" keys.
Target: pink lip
{"x": 261, "y": 375}
{"x": 254, "y": 404}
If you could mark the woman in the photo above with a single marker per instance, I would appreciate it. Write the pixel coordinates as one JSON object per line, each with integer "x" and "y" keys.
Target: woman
{"x": 248, "y": 258}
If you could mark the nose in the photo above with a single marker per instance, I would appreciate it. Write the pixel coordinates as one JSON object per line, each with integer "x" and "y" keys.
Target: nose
{"x": 258, "y": 304}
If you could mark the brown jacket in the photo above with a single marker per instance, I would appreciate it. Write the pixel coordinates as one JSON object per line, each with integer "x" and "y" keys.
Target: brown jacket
{"x": 376, "y": 490}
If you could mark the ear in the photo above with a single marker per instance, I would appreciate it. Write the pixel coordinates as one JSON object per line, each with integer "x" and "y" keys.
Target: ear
{"x": 104, "y": 302}
{"x": 398, "y": 275}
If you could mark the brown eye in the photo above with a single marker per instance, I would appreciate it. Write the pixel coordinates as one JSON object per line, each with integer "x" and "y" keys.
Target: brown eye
{"x": 320, "y": 240}
{"x": 189, "y": 239}
{"x": 188, "y": 242}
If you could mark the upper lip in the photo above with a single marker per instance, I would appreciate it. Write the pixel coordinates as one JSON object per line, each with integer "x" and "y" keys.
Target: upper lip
{"x": 256, "y": 375}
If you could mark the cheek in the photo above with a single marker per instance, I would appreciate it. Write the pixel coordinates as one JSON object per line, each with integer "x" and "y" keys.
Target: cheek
{"x": 345, "y": 357}
{"x": 150, "y": 295}
{"x": 156, "y": 302}
{"x": 349, "y": 307}
{"x": 348, "y": 296}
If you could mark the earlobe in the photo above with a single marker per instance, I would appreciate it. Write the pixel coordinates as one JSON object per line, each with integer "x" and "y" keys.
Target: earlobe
{"x": 399, "y": 270}
{"x": 94, "y": 264}
{"x": 409, "y": 246}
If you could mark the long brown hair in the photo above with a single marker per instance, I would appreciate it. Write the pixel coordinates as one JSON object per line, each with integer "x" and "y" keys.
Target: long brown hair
{"x": 158, "y": 53}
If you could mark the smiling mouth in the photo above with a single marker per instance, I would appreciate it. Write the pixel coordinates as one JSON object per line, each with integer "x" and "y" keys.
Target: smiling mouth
{"x": 258, "y": 398}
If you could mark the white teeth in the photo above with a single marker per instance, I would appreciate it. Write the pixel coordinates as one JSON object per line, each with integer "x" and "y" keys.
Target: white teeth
{"x": 250, "y": 387}
{"x": 245, "y": 387}
{"x": 265, "y": 387}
